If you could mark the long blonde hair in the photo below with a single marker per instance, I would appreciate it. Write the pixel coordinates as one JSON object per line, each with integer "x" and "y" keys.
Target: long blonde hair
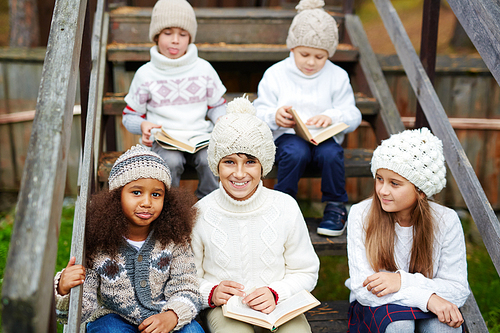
{"x": 380, "y": 237}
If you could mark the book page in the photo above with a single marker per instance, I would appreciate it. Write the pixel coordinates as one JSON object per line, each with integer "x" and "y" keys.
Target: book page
{"x": 235, "y": 305}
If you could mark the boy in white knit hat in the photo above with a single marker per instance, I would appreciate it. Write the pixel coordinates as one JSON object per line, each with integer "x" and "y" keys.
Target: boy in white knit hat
{"x": 321, "y": 94}
{"x": 176, "y": 90}
{"x": 247, "y": 235}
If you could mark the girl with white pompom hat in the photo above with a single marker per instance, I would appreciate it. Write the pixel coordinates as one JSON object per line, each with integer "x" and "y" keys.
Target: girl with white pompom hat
{"x": 407, "y": 259}
{"x": 248, "y": 236}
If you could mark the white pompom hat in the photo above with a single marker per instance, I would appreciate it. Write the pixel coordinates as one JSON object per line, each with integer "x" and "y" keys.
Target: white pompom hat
{"x": 240, "y": 131}
{"x": 173, "y": 14}
{"x": 416, "y": 155}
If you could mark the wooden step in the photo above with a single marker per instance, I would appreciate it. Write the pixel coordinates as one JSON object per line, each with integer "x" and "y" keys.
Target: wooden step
{"x": 356, "y": 161}
{"x": 329, "y": 317}
{"x": 229, "y": 25}
{"x": 113, "y": 104}
{"x": 222, "y": 51}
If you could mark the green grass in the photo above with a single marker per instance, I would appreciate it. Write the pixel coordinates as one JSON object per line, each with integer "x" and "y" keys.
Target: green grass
{"x": 484, "y": 282}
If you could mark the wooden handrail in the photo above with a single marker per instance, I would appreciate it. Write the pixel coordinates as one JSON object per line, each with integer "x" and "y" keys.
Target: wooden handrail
{"x": 27, "y": 287}
{"x": 479, "y": 18}
{"x": 462, "y": 171}
{"x": 86, "y": 168}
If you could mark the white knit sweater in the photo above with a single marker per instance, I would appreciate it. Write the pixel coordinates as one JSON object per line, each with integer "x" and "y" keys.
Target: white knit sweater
{"x": 450, "y": 266}
{"x": 176, "y": 93}
{"x": 262, "y": 241}
{"x": 327, "y": 92}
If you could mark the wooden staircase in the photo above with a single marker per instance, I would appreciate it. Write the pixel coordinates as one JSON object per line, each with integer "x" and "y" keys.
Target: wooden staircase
{"x": 241, "y": 43}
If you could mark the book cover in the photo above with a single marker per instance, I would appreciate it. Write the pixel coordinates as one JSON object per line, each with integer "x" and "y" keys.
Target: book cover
{"x": 325, "y": 133}
{"x": 284, "y": 311}
{"x": 192, "y": 145}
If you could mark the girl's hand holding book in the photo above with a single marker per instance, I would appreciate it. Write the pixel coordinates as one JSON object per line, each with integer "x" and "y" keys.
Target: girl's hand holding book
{"x": 383, "y": 283}
{"x": 72, "y": 276}
{"x": 446, "y": 312}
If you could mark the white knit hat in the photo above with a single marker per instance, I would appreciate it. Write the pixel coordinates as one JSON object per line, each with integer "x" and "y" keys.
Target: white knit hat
{"x": 313, "y": 27}
{"x": 240, "y": 131}
{"x": 416, "y": 155}
{"x": 138, "y": 163}
{"x": 172, "y": 14}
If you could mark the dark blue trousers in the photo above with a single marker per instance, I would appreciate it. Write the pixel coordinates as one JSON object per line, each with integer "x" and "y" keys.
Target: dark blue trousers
{"x": 294, "y": 154}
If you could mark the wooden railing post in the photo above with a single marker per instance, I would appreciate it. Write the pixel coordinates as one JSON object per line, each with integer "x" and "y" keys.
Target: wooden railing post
{"x": 27, "y": 287}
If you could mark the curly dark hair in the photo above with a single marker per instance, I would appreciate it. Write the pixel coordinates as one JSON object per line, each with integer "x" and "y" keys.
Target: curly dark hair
{"x": 106, "y": 224}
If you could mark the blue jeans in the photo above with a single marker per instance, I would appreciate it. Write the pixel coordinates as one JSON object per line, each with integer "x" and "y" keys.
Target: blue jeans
{"x": 113, "y": 323}
{"x": 294, "y": 154}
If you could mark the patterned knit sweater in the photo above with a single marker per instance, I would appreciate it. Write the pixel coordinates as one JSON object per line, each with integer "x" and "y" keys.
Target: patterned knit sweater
{"x": 262, "y": 241}
{"x": 139, "y": 284}
{"x": 176, "y": 93}
{"x": 450, "y": 265}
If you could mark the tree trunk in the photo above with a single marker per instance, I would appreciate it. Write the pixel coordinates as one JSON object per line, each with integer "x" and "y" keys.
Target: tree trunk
{"x": 24, "y": 28}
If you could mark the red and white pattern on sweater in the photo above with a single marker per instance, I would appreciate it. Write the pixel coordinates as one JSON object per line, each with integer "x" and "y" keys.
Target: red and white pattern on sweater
{"x": 162, "y": 93}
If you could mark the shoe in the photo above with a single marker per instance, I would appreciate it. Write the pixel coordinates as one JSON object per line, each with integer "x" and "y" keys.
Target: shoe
{"x": 334, "y": 220}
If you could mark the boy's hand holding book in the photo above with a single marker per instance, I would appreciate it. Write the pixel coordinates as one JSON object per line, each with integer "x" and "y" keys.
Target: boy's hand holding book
{"x": 319, "y": 120}
{"x": 284, "y": 117}
{"x": 146, "y": 127}
{"x": 225, "y": 290}
{"x": 261, "y": 299}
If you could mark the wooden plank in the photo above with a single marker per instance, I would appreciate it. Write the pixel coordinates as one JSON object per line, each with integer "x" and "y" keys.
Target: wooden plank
{"x": 113, "y": 104}
{"x": 23, "y": 54}
{"x": 326, "y": 246}
{"x": 467, "y": 181}
{"x": 224, "y": 52}
{"x": 27, "y": 285}
{"x": 329, "y": 317}
{"x": 86, "y": 167}
{"x": 474, "y": 321}
{"x": 479, "y": 19}
{"x": 230, "y": 25}
{"x": 388, "y": 114}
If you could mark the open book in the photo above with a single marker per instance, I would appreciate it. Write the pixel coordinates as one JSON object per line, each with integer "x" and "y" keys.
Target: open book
{"x": 284, "y": 311}
{"x": 323, "y": 134}
{"x": 191, "y": 146}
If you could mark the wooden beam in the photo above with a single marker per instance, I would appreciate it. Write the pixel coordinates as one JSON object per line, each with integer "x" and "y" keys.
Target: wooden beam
{"x": 27, "y": 287}
{"x": 479, "y": 18}
{"x": 389, "y": 114}
{"x": 464, "y": 174}
{"x": 86, "y": 168}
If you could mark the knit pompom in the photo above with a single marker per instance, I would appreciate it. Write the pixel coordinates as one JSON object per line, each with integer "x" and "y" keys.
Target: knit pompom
{"x": 240, "y": 105}
{"x": 309, "y": 4}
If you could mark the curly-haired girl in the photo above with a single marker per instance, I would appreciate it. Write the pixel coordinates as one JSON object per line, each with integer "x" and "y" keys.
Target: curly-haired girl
{"x": 140, "y": 273}
{"x": 407, "y": 262}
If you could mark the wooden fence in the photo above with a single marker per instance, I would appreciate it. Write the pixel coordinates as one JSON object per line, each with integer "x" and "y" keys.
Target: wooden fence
{"x": 469, "y": 94}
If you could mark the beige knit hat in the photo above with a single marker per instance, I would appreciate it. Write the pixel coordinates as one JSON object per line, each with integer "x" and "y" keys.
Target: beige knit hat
{"x": 172, "y": 14}
{"x": 240, "y": 131}
{"x": 416, "y": 155}
{"x": 313, "y": 27}
{"x": 138, "y": 163}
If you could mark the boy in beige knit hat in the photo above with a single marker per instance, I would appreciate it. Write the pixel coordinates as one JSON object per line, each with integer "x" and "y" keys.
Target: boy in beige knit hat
{"x": 246, "y": 235}
{"x": 321, "y": 94}
{"x": 176, "y": 91}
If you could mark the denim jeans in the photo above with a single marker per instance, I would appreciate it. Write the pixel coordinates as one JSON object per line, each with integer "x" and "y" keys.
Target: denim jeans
{"x": 113, "y": 323}
{"x": 294, "y": 154}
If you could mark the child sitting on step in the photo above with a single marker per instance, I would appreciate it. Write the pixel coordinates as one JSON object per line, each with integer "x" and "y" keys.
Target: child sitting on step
{"x": 176, "y": 90}
{"x": 407, "y": 261}
{"x": 321, "y": 94}
{"x": 247, "y": 235}
{"x": 140, "y": 273}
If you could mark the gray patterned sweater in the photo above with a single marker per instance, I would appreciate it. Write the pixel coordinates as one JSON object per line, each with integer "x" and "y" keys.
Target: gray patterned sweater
{"x": 139, "y": 284}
